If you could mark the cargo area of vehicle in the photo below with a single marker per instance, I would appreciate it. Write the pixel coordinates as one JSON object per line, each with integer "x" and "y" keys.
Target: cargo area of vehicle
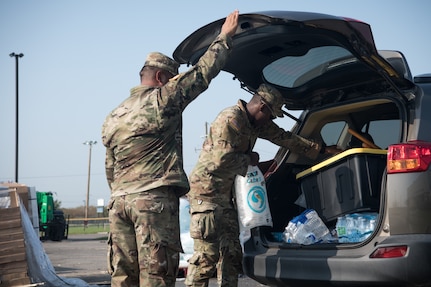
{"x": 346, "y": 184}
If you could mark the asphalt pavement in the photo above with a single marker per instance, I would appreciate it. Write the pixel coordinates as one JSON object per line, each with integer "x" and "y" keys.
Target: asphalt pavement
{"x": 84, "y": 257}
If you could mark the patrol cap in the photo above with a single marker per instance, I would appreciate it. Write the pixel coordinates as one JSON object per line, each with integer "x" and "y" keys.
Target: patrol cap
{"x": 159, "y": 60}
{"x": 272, "y": 98}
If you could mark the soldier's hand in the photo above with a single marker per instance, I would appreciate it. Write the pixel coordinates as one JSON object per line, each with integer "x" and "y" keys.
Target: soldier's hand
{"x": 332, "y": 149}
{"x": 230, "y": 24}
{"x": 254, "y": 158}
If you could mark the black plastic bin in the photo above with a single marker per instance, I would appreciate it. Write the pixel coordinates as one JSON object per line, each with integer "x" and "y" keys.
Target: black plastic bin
{"x": 346, "y": 183}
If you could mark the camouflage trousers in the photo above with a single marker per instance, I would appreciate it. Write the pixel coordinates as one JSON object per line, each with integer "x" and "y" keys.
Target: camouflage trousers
{"x": 217, "y": 248}
{"x": 144, "y": 240}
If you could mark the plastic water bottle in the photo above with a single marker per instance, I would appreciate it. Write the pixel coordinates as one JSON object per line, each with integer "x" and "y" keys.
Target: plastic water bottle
{"x": 315, "y": 225}
{"x": 355, "y": 227}
{"x": 303, "y": 235}
{"x": 306, "y": 228}
{"x": 370, "y": 226}
{"x": 352, "y": 231}
{"x": 341, "y": 229}
{"x": 289, "y": 232}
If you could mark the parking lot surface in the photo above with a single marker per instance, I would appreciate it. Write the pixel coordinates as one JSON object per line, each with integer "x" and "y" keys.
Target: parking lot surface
{"x": 84, "y": 257}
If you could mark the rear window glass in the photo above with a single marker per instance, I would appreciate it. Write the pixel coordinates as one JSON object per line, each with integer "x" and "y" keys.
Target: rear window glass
{"x": 382, "y": 132}
{"x": 294, "y": 71}
{"x": 331, "y": 132}
{"x": 385, "y": 132}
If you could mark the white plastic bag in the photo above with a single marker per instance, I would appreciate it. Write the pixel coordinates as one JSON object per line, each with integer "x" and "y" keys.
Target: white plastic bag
{"x": 252, "y": 199}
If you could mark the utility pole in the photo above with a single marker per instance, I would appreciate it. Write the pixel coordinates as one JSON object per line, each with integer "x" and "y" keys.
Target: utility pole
{"x": 17, "y": 56}
{"x": 204, "y": 136}
{"x": 90, "y": 144}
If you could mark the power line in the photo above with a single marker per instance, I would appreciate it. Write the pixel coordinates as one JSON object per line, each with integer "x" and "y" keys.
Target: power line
{"x": 53, "y": 176}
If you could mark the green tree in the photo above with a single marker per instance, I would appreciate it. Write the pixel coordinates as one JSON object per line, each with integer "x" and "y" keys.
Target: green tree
{"x": 57, "y": 204}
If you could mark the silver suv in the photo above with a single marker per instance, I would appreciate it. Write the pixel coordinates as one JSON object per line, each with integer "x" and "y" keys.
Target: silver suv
{"x": 367, "y": 103}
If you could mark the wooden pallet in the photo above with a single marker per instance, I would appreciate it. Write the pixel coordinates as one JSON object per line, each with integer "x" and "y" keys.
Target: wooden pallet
{"x": 13, "y": 262}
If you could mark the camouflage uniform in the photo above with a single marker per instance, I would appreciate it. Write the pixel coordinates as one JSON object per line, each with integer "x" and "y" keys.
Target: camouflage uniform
{"x": 225, "y": 154}
{"x": 144, "y": 169}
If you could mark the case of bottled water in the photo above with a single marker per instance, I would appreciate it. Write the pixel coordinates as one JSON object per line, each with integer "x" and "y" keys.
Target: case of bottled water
{"x": 355, "y": 227}
{"x": 306, "y": 228}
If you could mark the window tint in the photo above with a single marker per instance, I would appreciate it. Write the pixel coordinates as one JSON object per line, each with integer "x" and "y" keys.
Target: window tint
{"x": 331, "y": 132}
{"x": 295, "y": 71}
{"x": 385, "y": 132}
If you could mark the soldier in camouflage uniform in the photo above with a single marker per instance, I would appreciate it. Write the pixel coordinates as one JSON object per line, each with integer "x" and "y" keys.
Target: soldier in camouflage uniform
{"x": 144, "y": 165}
{"x": 227, "y": 152}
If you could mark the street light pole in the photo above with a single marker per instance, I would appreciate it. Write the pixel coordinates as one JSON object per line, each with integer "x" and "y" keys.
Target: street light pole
{"x": 17, "y": 56}
{"x": 90, "y": 144}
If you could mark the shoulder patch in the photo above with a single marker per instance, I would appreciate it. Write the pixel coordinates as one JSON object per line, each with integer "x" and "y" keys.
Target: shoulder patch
{"x": 235, "y": 124}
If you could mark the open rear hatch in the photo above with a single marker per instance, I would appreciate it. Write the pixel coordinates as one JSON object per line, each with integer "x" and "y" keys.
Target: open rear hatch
{"x": 309, "y": 57}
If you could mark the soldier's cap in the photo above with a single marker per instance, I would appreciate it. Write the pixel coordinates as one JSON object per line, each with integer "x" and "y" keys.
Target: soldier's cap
{"x": 272, "y": 98}
{"x": 159, "y": 60}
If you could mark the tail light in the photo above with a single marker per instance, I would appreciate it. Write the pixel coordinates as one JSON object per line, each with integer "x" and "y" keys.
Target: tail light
{"x": 390, "y": 252}
{"x": 409, "y": 157}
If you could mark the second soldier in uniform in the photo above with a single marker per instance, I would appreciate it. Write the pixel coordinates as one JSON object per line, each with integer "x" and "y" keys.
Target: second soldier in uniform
{"x": 226, "y": 153}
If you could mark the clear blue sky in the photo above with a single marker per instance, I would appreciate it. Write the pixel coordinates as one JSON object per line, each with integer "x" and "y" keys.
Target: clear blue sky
{"x": 81, "y": 58}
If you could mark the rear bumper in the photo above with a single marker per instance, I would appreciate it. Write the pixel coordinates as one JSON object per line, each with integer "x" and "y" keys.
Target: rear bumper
{"x": 341, "y": 266}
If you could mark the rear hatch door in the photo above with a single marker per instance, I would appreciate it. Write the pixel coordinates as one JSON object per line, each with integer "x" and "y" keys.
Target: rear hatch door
{"x": 313, "y": 59}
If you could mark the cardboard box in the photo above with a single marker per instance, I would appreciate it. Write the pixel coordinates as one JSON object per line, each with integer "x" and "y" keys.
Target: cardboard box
{"x": 13, "y": 261}
{"x": 21, "y": 189}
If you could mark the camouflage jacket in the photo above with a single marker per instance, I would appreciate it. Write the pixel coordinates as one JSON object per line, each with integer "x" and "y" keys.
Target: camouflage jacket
{"x": 226, "y": 152}
{"x": 143, "y": 135}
